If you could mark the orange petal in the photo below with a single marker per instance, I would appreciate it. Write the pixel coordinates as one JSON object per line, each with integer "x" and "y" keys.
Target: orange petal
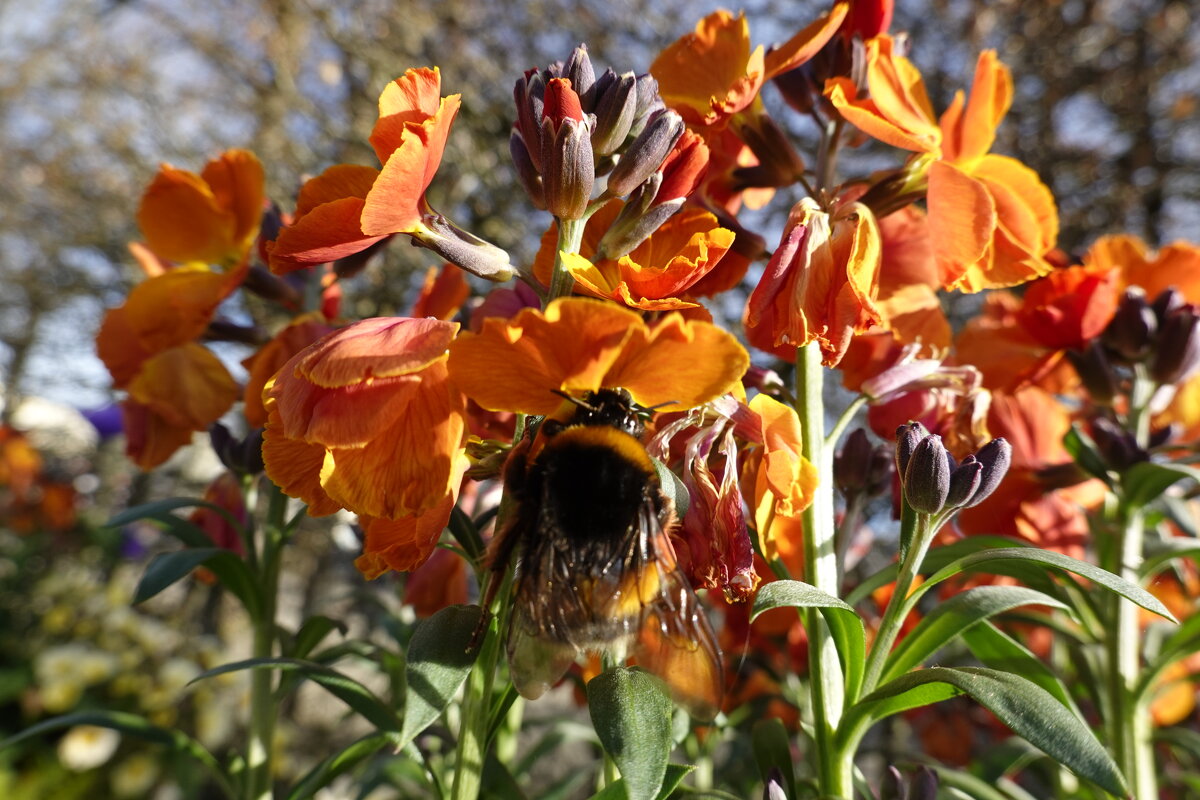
{"x": 187, "y": 386}
{"x": 335, "y": 183}
{"x": 962, "y": 219}
{"x": 406, "y": 543}
{"x": 442, "y": 294}
{"x": 181, "y": 219}
{"x": 678, "y": 363}
{"x": 175, "y": 307}
{"x": 898, "y": 91}
{"x": 381, "y": 347}
{"x": 865, "y": 115}
{"x": 263, "y": 365}
{"x": 394, "y": 202}
{"x": 409, "y": 100}
{"x": 236, "y": 180}
{"x": 149, "y": 439}
{"x": 1177, "y": 265}
{"x": 804, "y": 45}
{"x": 711, "y": 73}
{"x": 408, "y": 467}
{"x": 515, "y": 365}
{"x": 914, "y": 314}
{"x": 119, "y": 347}
{"x": 295, "y": 467}
{"x": 970, "y": 135}
{"x": 326, "y": 233}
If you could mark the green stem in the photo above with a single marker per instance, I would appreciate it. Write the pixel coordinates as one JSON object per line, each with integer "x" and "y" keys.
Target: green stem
{"x": 820, "y": 565}
{"x": 844, "y": 421}
{"x": 263, "y": 708}
{"x": 570, "y": 236}
{"x": 476, "y": 710}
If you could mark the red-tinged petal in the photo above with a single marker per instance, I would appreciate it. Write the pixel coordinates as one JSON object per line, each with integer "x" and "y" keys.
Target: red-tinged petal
{"x": 295, "y": 467}
{"x": 516, "y": 365}
{"x": 683, "y": 168}
{"x": 236, "y": 180}
{"x": 442, "y": 294}
{"x": 439, "y": 582}
{"x": 328, "y": 232}
{"x": 804, "y": 45}
{"x": 561, "y": 102}
{"x": 175, "y": 307}
{"x": 182, "y": 219}
{"x": 346, "y": 416}
{"x": 381, "y": 347}
{"x": 187, "y": 386}
{"x": 149, "y": 439}
{"x": 970, "y": 135}
{"x": 335, "y": 183}
{"x": 263, "y": 365}
{"x": 711, "y": 73}
{"x": 789, "y": 476}
{"x": 867, "y": 19}
{"x": 408, "y": 467}
{"x": 1024, "y": 205}
{"x": 404, "y": 544}
{"x": 678, "y": 362}
{"x": 962, "y": 220}
{"x": 676, "y": 256}
{"x": 1070, "y": 307}
{"x": 907, "y": 251}
{"x": 409, "y": 100}
{"x": 914, "y": 315}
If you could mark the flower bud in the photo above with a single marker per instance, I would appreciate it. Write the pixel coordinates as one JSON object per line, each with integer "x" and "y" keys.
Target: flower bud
{"x": 240, "y": 456}
{"x": 464, "y": 249}
{"x": 1177, "y": 355}
{"x": 616, "y": 104}
{"x": 646, "y": 154}
{"x": 995, "y": 456}
{"x": 529, "y": 96}
{"x": 964, "y": 482}
{"x": 1118, "y": 446}
{"x": 907, "y": 437}
{"x": 649, "y": 103}
{"x": 852, "y": 463}
{"x": 778, "y": 162}
{"x": 579, "y": 71}
{"x": 1167, "y": 301}
{"x": 927, "y": 477}
{"x": 568, "y": 172}
{"x": 527, "y": 172}
{"x": 1096, "y": 373}
{"x": 1130, "y": 334}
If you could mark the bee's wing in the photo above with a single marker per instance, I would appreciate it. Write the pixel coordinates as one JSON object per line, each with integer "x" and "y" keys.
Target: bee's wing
{"x": 674, "y": 639}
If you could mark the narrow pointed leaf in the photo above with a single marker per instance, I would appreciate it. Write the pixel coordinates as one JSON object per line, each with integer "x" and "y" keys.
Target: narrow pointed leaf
{"x": 935, "y": 559}
{"x": 340, "y": 762}
{"x": 311, "y": 633}
{"x": 997, "y": 650}
{"x": 160, "y": 511}
{"x": 167, "y": 568}
{"x": 617, "y": 789}
{"x": 773, "y": 751}
{"x": 846, "y": 627}
{"x": 632, "y": 716}
{"x": 953, "y": 616}
{"x": 1144, "y": 482}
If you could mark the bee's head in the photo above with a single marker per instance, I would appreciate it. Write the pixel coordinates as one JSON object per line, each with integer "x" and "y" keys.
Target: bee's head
{"x": 612, "y": 407}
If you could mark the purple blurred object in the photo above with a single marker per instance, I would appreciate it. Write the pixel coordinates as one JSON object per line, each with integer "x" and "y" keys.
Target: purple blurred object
{"x": 106, "y": 420}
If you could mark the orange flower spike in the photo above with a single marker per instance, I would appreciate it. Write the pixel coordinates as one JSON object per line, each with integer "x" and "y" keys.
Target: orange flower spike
{"x": 365, "y": 419}
{"x": 327, "y": 223}
{"x": 821, "y": 282}
{"x": 212, "y": 217}
{"x": 578, "y": 345}
{"x": 416, "y": 132}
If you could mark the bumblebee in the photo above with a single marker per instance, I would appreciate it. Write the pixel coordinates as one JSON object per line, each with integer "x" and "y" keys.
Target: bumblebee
{"x": 596, "y": 570}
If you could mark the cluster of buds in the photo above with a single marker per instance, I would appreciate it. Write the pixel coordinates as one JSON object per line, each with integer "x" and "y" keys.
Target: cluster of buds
{"x": 1162, "y": 335}
{"x": 861, "y": 469}
{"x": 934, "y": 482}
{"x": 240, "y": 456}
{"x": 573, "y": 127}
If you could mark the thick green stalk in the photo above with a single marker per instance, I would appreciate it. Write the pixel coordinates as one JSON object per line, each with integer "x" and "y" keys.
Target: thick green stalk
{"x": 835, "y": 771}
{"x": 570, "y": 236}
{"x": 263, "y": 709}
{"x": 476, "y": 710}
{"x": 917, "y": 532}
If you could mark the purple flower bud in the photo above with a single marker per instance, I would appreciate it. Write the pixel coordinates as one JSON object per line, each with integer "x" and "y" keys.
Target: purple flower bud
{"x": 649, "y": 102}
{"x": 241, "y": 456}
{"x": 616, "y": 103}
{"x": 1130, "y": 334}
{"x": 892, "y": 786}
{"x": 1177, "y": 356}
{"x": 464, "y": 249}
{"x": 907, "y": 437}
{"x": 1118, "y": 446}
{"x": 964, "y": 482}
{"x": 645, "y": 155}
{"x": 529, "y": 95}
{"x": 924, "y": 785}
{"x": 578, "y": 70}
{"x": 927, "y": 477}
{"x": 995, "y": 456}
{"x": 527, "y": 173}
{"x": 1167, "y": 301}
{"x": 852, "y": 462}
{"x": 1095, "y": 372}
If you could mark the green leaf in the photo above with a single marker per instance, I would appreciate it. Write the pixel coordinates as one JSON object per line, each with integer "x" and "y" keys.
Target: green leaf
{"x": 1144, "y": 482}
{"x": 439, "y": 660}
{"x": 1016, "y": 560}
{"x": 632, "y": 717}
{"x": 844, "y": 623}
{"x": 976, "y": 788}
{"x": 160, "y": 511}
{"x": 953, "y": 616}
{"x": 1160, "y": 554}
{"x": 311, "y": 633}
{"x": 1182, "y": 642}
{"x": 935, "y": 559}
{"x": 1085, "y": 453}
{"x": 773, "y": 750}
{"x": 167, "y": 568}
{"x": 342, "y": 761}
{"x": 617, "y": 789}
{"x": 1027, "y": 709}
{"x": 498, "y": 782}
{"x": 358, "y": 697}
{"x": 132, "y": 725}
{"x": 998, "y": 650}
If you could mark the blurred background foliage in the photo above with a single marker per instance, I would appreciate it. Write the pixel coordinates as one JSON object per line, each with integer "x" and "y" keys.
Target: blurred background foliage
{"x": 95, "y": 93}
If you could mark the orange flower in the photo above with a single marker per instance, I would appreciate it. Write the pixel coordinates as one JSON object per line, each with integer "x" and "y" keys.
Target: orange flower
{"x": 710, "y": 75}
{"x": 442, "y": 294}
{"x": 656, "y": 272}
{"x": 579, "y": 345}
{"x": 784, "y": 482}
{"x": 1176, "y": 265}
{"x": 212, "y": 217}
{"x": 820, "y": 284}
{"x": 366, "y": 419}
{"x": 262, "y": 366}
{"x": 992, "y": 220}
{"x": 439, "y": 582}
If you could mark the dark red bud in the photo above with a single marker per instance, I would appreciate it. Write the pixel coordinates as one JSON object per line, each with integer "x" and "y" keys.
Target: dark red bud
{"x": 927, "y": 477}
{"x": 995, "y": 456}
{"x": 907, "y": 437}
{"x": 1130, "y": 334}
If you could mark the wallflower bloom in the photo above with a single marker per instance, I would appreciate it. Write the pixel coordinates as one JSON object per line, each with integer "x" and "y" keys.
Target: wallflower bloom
{"x": 366, "y": 419}
{"x": 212, "y": 217}
{"x": 820, "y": 284}
{"x": 1176, "y": 265}
{"x": 579, "y": 345}
{"x": 991, "y": 218}
{"x": 656, "y": 273}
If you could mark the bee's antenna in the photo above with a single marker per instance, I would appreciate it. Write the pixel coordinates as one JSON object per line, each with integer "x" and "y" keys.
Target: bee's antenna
{"x": 575, "y": 400}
